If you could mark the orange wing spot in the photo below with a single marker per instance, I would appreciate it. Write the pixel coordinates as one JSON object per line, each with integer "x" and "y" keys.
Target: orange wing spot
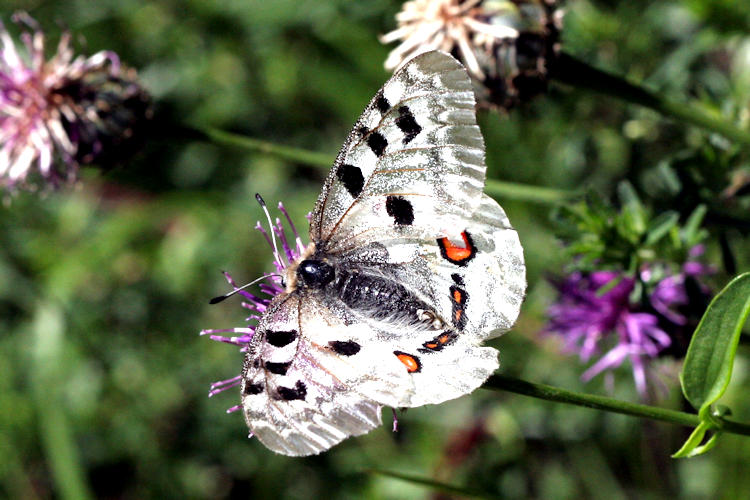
{"x": 457, "y": 295}
{"x": 458, "y": 314}
{"x": 411, "y": 362}
{"x": 455, "y": 252}
{"x": 431, "y": 345}
{"x": 459, "y": 255}
{"x": 444, "y": 338}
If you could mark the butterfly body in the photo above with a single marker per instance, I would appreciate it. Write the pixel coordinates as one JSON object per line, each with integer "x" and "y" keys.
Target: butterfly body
{"x": 410, "y": 268}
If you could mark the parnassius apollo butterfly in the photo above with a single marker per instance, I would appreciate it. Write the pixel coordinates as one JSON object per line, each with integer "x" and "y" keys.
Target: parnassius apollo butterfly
{"x": 409, "y": 268}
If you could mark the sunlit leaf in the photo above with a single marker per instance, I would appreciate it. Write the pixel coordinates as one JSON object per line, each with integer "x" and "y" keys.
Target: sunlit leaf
{"x": 708, "y": 363}
{"x": 693, "y": 447}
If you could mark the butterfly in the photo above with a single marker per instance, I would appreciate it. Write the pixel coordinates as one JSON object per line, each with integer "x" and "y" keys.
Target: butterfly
{"x": 410, "y": 267}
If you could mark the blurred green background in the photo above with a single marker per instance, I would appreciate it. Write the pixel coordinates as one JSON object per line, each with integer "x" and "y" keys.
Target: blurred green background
{"x": 104, "y": 288}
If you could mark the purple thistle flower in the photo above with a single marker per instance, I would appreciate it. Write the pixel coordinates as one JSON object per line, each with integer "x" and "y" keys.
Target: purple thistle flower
{"x": 58, "y": 114}
{"x": 596, "y": 308}
{"x": 291, "y": 249}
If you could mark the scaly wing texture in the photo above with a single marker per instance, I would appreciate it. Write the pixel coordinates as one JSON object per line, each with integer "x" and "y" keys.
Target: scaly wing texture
{"x": 310, "y": 380}
{"x": 404, "y": 202}
{"x": 413, "y": 164}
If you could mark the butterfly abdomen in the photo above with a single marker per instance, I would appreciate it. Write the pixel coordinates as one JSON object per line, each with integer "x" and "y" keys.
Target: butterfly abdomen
{"x": 379, "y": 297}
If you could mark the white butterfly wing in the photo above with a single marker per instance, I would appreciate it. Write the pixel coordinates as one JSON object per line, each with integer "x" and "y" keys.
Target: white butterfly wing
{"x": 403, "y": 201}
{"x": 479, "y": 298}
{"x": 310, "y": 380}
{"x": 491, "y": 284}
{"x": 412, "y": 165}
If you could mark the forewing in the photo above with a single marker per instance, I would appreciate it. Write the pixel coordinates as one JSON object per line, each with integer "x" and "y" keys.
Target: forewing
{"x": 312, "y": 378}
{"x": 412, "y": 165}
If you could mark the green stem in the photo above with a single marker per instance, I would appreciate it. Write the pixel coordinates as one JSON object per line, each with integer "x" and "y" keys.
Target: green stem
{"x": 568, "y": 69}
{"x": 551, "y": 393}
{"x": 525, "y": 192}
{"x": 297, "y": 155}
{"x": 500, "y": 189}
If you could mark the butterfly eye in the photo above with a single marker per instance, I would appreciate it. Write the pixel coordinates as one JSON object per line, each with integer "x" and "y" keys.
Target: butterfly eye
{"x": 315, "y": 273}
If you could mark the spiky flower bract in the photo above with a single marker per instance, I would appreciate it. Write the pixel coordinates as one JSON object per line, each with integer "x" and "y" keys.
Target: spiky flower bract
{"x": 60, "y": 113}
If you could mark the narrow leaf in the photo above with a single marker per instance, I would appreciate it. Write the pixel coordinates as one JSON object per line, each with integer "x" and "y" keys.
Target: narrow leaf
{"x": 705, "y": 448}
{"x": 710, "y": 356}
{"x": 434, "y": 485}
{"x": 693, "y": 225}
{"x": 660, "y": 226}
{"x": 693, "y": 441}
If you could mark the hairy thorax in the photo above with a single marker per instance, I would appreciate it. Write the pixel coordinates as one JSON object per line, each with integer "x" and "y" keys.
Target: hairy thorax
{"x": 378, "y": 296}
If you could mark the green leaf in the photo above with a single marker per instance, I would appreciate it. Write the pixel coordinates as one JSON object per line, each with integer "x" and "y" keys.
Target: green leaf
{"x": 692, "y": 228}
{"x": 710, "y": 356}
{"x": 633, "y": 218}
{"x": 660, "y": 226}
{"x": 693, "y": 447}
{"x": 432, "y": 484}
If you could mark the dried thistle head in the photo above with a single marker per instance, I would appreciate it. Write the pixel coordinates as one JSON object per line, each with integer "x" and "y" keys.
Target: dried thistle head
{"x": 505, "y": 45}
{"x": 60, "y": 113}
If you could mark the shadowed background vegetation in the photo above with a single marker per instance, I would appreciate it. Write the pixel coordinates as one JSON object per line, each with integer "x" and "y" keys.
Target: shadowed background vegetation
{"x": 104, "y": 288}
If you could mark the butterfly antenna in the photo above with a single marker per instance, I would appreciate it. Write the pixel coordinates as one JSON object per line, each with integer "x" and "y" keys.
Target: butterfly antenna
{"x": 218, "y": 299}
{"x": 276, "y": 253}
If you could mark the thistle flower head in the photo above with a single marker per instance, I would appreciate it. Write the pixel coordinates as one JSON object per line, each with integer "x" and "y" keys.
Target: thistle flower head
{"x": 290, "y": 250}
{"x": 57, "y": 114}
{"x": 598, "y": 310}
{"x": 504, "y": 44}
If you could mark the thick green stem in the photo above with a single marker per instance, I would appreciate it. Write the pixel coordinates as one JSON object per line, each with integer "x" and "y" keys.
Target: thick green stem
{"x": 525, "y": 192}
{"x": 499, "y": 189}
{"x": 568, "y": 69}
{"x": 551, "y": 393}
{"x": 297, "y": 155}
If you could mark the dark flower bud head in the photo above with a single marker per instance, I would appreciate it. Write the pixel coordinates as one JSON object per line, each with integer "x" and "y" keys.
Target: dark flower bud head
{"x": 60, "y": 113}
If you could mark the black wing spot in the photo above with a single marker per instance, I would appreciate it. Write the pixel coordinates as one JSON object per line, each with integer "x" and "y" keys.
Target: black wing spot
{"x": 280, "y": 338}
{"x": 298, "y": 392}
{"x": 251, "y": 389}
{"x": 345, "y": 347}
{"x": 381, "y": 103}
{"x": 278, "y": 368}
{"x": 457, "y": 279}
{"x": 352, "y": 178}
{"x": 377, "y": 143}
{"x": 400, "y": 209}
{"x": 408, "y": 124}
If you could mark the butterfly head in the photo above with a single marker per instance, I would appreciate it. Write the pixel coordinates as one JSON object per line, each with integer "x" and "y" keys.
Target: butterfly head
{"x": 314, "y": 273}
{"x": 310, "y": 270}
